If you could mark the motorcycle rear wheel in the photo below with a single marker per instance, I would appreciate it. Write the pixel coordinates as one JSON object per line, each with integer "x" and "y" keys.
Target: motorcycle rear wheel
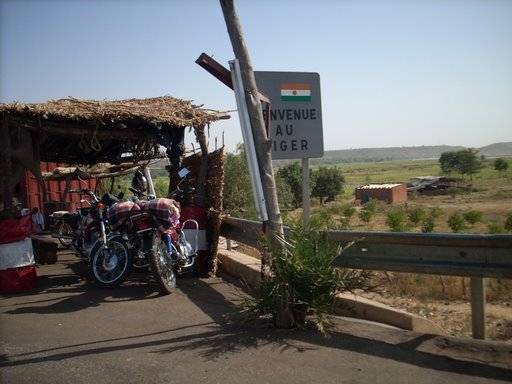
{"x": 162, "y": 268}
{"x": 111, "y": 263}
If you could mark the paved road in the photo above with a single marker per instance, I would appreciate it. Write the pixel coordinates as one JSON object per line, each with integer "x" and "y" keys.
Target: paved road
{"x": 70, "y": 332}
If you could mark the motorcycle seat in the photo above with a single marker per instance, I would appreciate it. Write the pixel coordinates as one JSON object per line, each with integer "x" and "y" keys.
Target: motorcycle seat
{"x": 60, "y": 214}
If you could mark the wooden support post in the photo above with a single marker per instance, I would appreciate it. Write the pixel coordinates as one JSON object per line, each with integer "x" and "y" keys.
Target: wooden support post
{"x": 478, "y": 307}
{"x": 262, "y": 142}
{"x": 203, "y": 167}
{"x": 284, "y": 318}
{"x": 6, "y": 163}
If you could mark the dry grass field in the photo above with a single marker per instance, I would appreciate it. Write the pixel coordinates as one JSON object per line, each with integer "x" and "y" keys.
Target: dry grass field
{"x": 442, "y": 299}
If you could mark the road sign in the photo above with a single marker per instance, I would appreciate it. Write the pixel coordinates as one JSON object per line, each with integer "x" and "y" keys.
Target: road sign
{"x": 295, "y": 115}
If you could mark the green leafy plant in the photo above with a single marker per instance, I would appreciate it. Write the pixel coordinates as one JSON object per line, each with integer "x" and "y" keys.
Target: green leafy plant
{"x": 417, "y": 215}
{"x": 371, "y": 206}
{"x": 456, "y": 222}
{"x": 436, "y": 212}
{"x": 396, "y": 220}
{"x": 292, "y": 175}
{"x": 365, "y": 215}
{"x": 428, "y": 224}
{"x": 302, "y": 279}
{"x": 348, "y": 212}
{"x": 500, "y": 164}
{"x": 472, "y": 217}
{"x": 495, "y": 228}
{"x": 508, "y": 223}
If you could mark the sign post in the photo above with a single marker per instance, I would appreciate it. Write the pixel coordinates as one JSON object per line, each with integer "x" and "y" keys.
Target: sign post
{"x": 295, "y": 120}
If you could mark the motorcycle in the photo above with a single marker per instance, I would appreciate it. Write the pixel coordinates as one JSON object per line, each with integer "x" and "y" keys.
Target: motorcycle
{"x": 137, "y": 227}
{"x": 81, "y": 229}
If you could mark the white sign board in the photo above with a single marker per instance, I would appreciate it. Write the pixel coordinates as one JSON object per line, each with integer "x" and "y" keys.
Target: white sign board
{"x": 295, "y": 115}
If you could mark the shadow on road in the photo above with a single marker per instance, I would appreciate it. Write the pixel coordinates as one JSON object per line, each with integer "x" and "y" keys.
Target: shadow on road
{"x": 224, "y": 334}
{"x": 80, "y": 292}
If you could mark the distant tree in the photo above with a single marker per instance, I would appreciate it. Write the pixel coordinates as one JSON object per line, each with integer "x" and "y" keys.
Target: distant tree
{"x": 285, "y": 194}
{"x": 327, "y": 183}
{"x": 448, "y": 162}
{"x": 468, "y": 162}
{"x": 292, "y": 175}
{"x": 500, "y": 165}
{"x": 238, "y": 198}
{"x": 465, "y": 162}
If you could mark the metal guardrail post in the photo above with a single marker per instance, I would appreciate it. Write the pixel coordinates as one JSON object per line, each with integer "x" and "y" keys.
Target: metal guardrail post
{"x": 478, "y": 307}
{"x": 477, "y": 256}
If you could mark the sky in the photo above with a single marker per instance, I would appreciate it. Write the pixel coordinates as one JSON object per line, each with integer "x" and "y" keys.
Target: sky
{"x": 393, "y": 73}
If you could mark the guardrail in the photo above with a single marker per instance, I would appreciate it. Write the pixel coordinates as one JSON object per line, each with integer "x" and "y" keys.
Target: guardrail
{"x": 476, "y": 256}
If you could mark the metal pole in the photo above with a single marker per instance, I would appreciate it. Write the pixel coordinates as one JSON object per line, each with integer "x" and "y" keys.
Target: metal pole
{"x": 250, "y": 149}
{"x": 305, "y": 191}
{"x": 478, "y": 307}
{"x": 229, "y": 245}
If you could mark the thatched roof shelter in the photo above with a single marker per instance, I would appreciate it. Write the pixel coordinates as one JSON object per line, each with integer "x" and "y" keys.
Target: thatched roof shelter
{"x": 78, "y": 131}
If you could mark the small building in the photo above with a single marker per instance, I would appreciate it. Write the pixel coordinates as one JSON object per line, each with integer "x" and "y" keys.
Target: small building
{"x": 391, "y": 193}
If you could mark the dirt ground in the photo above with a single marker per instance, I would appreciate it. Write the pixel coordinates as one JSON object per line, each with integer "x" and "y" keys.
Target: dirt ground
{"x": 452, "y": 315}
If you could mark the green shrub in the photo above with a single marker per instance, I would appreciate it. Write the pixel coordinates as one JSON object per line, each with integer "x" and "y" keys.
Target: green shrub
{"x": 371, "y": 206}
{"x": 162, "y": 186}
{"x": 508, "y": 223}
{"x": 436, "y": 212}
{"x": 428, "y": 224}
{"x": 292, "y": 175}
{"x": 302, "y": 280}
{"x": 500, "y": 164}
{"x": 417, "y": 215}
{"x": 495, "y": 228}
{"x": 472, "y": 217}
{"x": 456, "y": 222}
{"x": 349, "y": 211}
{"x": 365, "y": 216}
{"x": 396, "y": 220}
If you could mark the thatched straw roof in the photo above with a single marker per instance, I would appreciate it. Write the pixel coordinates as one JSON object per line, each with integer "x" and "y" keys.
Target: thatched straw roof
{"x": 165, "y": 109}
{"x": 75, "y": 131}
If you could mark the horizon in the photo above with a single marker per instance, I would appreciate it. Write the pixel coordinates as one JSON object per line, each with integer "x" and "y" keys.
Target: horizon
{"x": 393, "y": 73}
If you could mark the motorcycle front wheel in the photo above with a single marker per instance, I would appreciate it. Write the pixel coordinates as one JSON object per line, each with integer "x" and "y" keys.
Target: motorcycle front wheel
{"x": 110, "y": 263}
{"x": 162, "y": 267}
{"x": 64, "y": 233}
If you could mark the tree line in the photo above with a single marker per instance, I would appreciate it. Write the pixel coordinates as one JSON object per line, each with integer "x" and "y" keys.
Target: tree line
{"x": 325, "y": 184}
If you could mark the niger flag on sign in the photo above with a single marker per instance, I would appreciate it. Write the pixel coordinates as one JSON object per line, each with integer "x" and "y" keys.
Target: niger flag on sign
{"x": 295, "y": 92}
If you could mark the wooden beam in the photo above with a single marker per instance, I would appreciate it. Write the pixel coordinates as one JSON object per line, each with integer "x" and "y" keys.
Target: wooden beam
{"x": 80, "y": 130}
{"x": 284, "y": 317}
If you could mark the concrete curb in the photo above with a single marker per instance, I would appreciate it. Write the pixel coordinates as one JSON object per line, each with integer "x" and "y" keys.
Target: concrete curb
{"x": 247, "y": 269}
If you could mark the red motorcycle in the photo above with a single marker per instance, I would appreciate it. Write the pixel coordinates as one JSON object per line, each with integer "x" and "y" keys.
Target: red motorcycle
{"x": 137, "y": 223}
